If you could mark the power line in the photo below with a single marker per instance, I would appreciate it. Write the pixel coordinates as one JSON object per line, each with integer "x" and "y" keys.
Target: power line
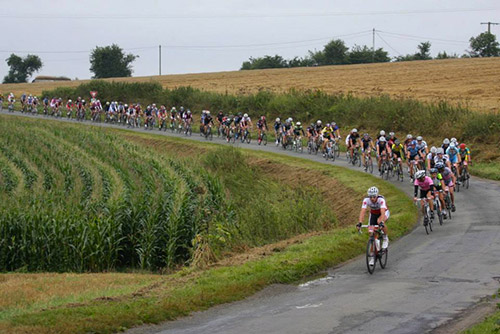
{"x": 70, "y": 52}
{"x": 419, "y": 38}
{"x": 244, "y": 15}
{"x": 489, "y": 25}
{"x": 390, "y": 47}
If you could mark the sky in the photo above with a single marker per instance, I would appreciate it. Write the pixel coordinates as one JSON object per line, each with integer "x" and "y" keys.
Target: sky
{"x": 218, "y": 35}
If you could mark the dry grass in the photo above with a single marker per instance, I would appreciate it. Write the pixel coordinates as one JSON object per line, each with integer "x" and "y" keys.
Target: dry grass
{"x": 472, "y": 81}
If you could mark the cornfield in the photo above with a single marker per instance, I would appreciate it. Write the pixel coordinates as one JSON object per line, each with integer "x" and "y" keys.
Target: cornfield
{"x": 76, "y": 199}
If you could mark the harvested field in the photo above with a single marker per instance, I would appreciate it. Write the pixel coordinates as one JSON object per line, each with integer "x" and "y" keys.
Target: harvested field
{"x": 472, "y": 81}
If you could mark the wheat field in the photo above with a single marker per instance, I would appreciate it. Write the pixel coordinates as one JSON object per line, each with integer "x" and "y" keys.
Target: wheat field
{"x": 475, "y": 82}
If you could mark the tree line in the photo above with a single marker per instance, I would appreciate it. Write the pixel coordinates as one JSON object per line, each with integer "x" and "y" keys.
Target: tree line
{"x": 111, "y": 61}
{"x": 336, "y": 52}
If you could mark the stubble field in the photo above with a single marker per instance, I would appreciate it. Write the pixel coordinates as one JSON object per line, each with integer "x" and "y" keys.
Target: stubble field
{"x": 468, "y": 81}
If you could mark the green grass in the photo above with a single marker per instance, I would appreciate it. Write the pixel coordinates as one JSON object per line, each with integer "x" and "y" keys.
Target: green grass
{"x": 490, "y": 325}
{"x": 487, "y": 170}
{"x": 192, "y": 289}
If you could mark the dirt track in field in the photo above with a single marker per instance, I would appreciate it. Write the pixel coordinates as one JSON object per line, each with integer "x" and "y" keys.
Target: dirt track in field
{"x": 472, "y": 81}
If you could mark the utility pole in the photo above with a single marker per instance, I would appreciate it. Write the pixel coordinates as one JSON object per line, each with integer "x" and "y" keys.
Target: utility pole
{"x": 489, "y": 25}
{"x": 373, "y": 46}
{"x": 159, "y": 50}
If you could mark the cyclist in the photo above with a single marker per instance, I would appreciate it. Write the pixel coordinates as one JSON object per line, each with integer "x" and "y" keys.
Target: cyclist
{"x": 366, "y": 147}
{"x": 69, "y": 108}
{"x": 173, "y": 117}
{"x": 226, "y": 123}
{"x": 286, "y": 130}
{"x": 383, "y": 151}
{"x": 311, "y": 133}
{"x": 326, "y": 135}
{"x": 208, "y": 121}
{"x": 219, "y": 117}
{"x": 379, "y": 213}
{"x": 34, "y": 105}
{"x": 1, "y": 102}
{"x": 261, "y": 127}
{"x": 246, "y": 124}
{"x": 392, "y": 138}
{"x": 430, "y": 157}
{"x": 406, "y": 143}
{"x": 236, "y": 124}
{"x": 411, "y": 156}
{"x": 397, "y": 150}
{"x": 381, "y": 134}
{"x": 23, "y": 101}
{"x": 188, "y": 119}
{"x": 277, "y": 129}
{"x": 422, "y": 151}
{"x": 426, "y": 186}
{"x": 298, "y": 132}
{"x": 10, "y": 101}
{"x": 449, "y": 181}
{"x": 336, "y": 130}
{"x": 354, "y": 141}
{"x": 45, "y": 103}
{"x": 438, "y": 187}
{"x": 446, "y": 144}
{"x": 464, "y": 154}
{"x": 454, "y": 157}
{"x": 441, "y": 157}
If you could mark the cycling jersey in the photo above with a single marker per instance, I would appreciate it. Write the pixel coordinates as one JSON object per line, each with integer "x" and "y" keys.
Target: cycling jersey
{"x": 261, "y": 124}
{"x": 277, "y": 126}
{"x": 464, "y": 154}
{"x": 245, "y": 121}
{"x": 354, "y": 138}
{"x": 452, "y": 154}
{"x": 365, "y": 142}
{"x": 421, "y": 146}
{"x": 425, "y": 186}
{"x": 382, "y": 146}
{"x": 397, "y": 149}
{"x": 220, "y": 115}
{"x": 327, "y": 132}
{"x": 375, "y": 208}
{"x": 447, "y": 176}
{"x": 311, "y": 131}
{"x": 298, "y": 130}
{"x": 207, "y": 120}
{"x": 413, "y": 151}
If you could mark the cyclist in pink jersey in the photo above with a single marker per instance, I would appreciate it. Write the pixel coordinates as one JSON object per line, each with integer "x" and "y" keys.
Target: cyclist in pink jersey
{"x": 426, "y": 185}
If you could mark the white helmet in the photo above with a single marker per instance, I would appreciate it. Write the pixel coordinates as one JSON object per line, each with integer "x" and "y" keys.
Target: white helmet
{"x": 452, "y": 146}
{"x": 382, "y": 139}
{"x": 69, "y": 101}
{"x": 433, "y": 149}
{"x": 419, "y": 174}
{"x": 409, "y": 136}
{"x": 440, "y": 151}
{"x": 391, "y": 134}
{"x": 208, "y": 112}
{"x": 277, "y": 119}
{"x": 318, "y": 122}
{"x": 419, "y": 138}
{"x": 373, "y": 191}
{"x": 298, "y": 123}
{"x": 290, "y": 119}
{"x": 453, "y": 140}
{"x": 446, "y": 141}
{"x": 354, "y": 130}
{"x": 203, "y": 111}
{"x": 173, "y": 108}
{"x": 246, "y": 115}
{"x": 382, "y": 132}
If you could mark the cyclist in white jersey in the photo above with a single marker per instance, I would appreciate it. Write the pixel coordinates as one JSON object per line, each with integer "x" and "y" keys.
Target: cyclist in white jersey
{"x": 379, "y": 213}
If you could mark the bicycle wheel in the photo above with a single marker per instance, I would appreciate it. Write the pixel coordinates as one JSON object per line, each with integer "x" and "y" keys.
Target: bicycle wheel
{"x": 387, "y": 170}
{"x": 431, "y": 221}
{"x": 426, "y": 225}
{"x": 370, "y": 165}
{"x": 439, "y": 213}
{"x": 447, "y": 201}
{"x": 334, "y": 153}
{"x": 337, "y": 149}
{"x": 358, "y": 158}
{"x": 249, "y": 138}
{"x": 370, "y": 255}
{"x": 382, "y": 259}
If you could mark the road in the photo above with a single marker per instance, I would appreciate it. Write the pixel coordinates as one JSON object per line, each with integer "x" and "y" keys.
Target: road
{"x": 429, "y": 280}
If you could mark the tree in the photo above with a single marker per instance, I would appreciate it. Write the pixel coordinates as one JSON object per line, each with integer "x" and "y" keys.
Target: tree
{"x": 335, "y": 53}
{"x": 264, "y": 62}
{"x": 444, "y": 55}
{"x": 424, "y": 51}
{"x": 110, "y": 62}
{"x": 363, "y": 55}
{"x": 484, "y": 45}
{"x": 21, "y": 69}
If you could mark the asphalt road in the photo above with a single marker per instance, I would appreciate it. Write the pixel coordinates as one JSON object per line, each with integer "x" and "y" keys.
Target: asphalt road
{"x": 429, "y": 279}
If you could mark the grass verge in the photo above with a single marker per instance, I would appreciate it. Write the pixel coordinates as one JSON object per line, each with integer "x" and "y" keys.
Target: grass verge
{"x": 190, "y": 289}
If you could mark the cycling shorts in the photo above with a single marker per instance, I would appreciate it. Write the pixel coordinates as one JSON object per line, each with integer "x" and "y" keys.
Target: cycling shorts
{"x": 423, "y": 193}
{"x": 374, "y": 217}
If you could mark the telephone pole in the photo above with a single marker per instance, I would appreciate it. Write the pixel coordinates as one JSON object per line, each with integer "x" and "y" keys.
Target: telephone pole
{"x": 159, "y": 51}
{"x": 373, "y": 46}
{"x": 489, "y": 25}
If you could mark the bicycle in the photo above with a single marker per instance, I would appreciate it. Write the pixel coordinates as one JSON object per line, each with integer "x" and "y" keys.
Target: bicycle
{"x": 356, "y": 159}
{"x": 208, "y": 133}
{"x": 311, "y": 146}
{"x": 428, "y": 221}
{"x": 438, "y": 209}
{"x": 455, "y": 172}
{"x": 368, "y": 165}
{"x": 297, "y": 144}
{"x": 262, "y": 139}
{"x": 464, "y": 175}
{"x": 399, "y": 170}
{"x": 329, "y": 153}
{"x": 447, "y": 202}
{"x": 384, "y": 167}
{"x": 246, "y": 136}
{"x": 188, "y": 131}
{"x": 373, "y": 250}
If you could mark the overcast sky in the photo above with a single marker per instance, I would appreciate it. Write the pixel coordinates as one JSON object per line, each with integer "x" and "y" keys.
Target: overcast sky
{"x": 218, "y": 35}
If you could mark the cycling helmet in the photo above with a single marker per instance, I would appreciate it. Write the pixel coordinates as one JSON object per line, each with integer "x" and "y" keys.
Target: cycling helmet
{"x": 433, "y": 170}
{"x": 126, "y": 105}
{"x": 453, "y": 140}
{"x": 439, "y": 165}
{"x": 69, "y": 101}
{"x": 299, "y": 124}
{"x": 291, "y": 119}
{"x": 397, "y": 142}
{"x": 440, "y": 151}
{"x": 354, "y": 130}
{"x": 263, "y": 117}
{"x": 83, "y": 101}
{"x": 392, "y": 134}
{"x": 203, "y": 111}
{"x": 446, "y": 141}
{"x": 373, "y": 191}
{"x": 382, "y": 132}
{"x": 333, "y": 123}
{"x": 462, "y": 146}
{"x": 452, "y": 146}
{"x": 278, "y": 119}
{"x": 409, "y": 136}
{"x": 246, "y": 115}
{"x": 208, "y": 112}
{"x": 419, "y": 138}
{"x": 382, "y": 139}
{"x": 189, "y": 111}
{"x": 433, "y": 149}
{"x": 420, "y": 174}
{"x": 312, "y": 125}
{"x": 366, "y": 135}
{"x": 327, "y": 125}
{"x": 239, "y": 114}
{"x": 182, "y": 108}
{"x": 318, "y": 122}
